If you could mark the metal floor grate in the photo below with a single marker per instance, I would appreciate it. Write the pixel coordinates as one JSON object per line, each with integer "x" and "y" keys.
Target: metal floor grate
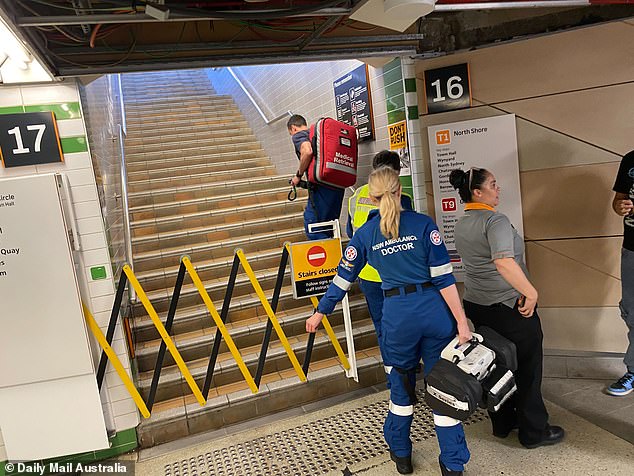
{"x": 310, "y": 449}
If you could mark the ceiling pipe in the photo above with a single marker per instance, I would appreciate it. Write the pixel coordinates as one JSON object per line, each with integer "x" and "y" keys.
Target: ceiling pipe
{"x": 463, "y": 5}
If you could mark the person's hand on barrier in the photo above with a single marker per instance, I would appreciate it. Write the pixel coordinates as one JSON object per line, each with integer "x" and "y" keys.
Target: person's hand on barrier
{"x": 464, "y": 333}
{"x": 623, "y": 207}
{"x": 526, "y": 306}
{"x": 312, "y": 323}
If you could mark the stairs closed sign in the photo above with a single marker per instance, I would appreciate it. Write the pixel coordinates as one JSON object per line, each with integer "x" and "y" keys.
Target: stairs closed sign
{"x": 313, "y": 266}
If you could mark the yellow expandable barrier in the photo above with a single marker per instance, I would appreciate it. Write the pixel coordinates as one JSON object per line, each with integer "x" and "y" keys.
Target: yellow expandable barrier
{"x": 333, "y": 338}
{"x": 164, "y": 335}
{"x": 116, "y": 363}
{"x": 218, "y": 321}
{"x": 271, "y": 315}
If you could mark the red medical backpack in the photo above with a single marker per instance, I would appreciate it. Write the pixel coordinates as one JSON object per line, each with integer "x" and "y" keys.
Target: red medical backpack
{"x": 335, "y": 154}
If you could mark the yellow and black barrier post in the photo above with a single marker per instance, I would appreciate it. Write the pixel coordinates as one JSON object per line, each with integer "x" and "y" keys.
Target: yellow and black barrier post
{"x": 271, "y": 314}
{"x": 164, "y": 335}
{"x": 219, "y": 323}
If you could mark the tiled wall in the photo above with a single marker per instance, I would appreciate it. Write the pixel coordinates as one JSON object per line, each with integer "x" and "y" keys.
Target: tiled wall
{"x": 305, "y": 89}
{"x": 573, "y": 95}
{"x": 64, "y": 100}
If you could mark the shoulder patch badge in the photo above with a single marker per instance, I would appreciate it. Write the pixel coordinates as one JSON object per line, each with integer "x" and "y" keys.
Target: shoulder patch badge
{"x": 435, "y": 237}
{"x": 350, "y": 253}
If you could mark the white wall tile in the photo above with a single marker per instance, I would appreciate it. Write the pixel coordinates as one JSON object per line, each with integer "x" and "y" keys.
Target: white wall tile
{"x": 101, "y": 288}
{"x": 49, "y": 94}
{"x": 87, "y": 210}
{"x": 87, "y": 226}
{"x": 84, "y": 193}
{"x": 10, "y": 96}
{"x": 71, "y": 127}
{"x": 78, "y": 160}
{"x": 80, "y": 177}
{"x": 123, "y": 422}
{"x": 92, "y": 241}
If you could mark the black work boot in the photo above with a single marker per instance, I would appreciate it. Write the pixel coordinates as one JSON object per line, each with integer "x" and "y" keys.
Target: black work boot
{"x": 403, "y": 463}
{"x": 446, "y": 471}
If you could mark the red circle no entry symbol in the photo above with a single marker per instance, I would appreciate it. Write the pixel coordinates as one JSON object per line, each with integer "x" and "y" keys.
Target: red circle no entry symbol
{"x": 316, "y": 256}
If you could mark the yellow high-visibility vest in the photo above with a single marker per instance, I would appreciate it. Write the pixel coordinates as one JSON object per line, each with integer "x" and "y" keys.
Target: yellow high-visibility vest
{"x": 359, "y": 207}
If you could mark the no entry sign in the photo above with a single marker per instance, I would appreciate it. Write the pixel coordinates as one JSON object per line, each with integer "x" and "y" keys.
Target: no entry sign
{"x": 316, "y": 256}
{"x": 313, "y": 266}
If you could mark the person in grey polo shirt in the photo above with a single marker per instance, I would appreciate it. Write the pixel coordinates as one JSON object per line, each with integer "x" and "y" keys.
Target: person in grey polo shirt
{"x": 498, "y": 294}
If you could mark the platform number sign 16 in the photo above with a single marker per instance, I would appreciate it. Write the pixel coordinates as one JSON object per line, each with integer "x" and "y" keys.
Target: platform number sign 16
{"x": 448, "y": 89}
{"x": 30, "y": 138}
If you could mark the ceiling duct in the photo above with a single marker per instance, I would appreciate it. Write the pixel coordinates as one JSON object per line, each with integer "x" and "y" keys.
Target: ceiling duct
{"x": 393, "y": 14}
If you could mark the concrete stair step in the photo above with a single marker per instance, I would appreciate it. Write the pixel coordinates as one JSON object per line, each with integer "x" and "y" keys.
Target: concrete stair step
{"x": 165, "y": 278}
{"x": 218, "y": 202}
{"x": 235, "y": 403}
{"x": 196, "y": 163}
{"x": 184, "y": 104}
{"x": 198, "y": 179}
{"x": 196, "y": 317}
{"x": 222, "y": 248}
{"x": 210, "y": 234}
{"x": 188, "y": 150}
{"x": 185, "y": 117}
{"x": 138, "y": 128}
{"x": 228, "y": 159}
{"x": 185, "y": 135}
{"x": 210, "y": 217}
{"x": 245, "y": 333}
{"x": 205, "y": 189}
{"x": 227, "y": 371}
{"x": 193, "y": 141}
{"x": 136, "y": 131}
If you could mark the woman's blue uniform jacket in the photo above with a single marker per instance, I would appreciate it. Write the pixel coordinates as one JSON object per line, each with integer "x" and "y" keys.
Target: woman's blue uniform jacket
{"x": 418, "y": 256}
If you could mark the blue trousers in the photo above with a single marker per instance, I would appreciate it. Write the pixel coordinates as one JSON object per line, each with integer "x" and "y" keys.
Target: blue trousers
{"x": 414, "y": 326}
{"x": 324, "y": 204}
{"x": 374, "y": 299}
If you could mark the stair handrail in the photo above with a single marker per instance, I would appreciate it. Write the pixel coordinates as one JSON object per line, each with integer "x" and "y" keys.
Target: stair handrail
{"x": 255, "y": 104}
{"x": 123, "y": 171}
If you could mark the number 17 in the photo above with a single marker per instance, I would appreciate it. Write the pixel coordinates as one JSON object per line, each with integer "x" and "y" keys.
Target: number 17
{"x": 40, "y": 128}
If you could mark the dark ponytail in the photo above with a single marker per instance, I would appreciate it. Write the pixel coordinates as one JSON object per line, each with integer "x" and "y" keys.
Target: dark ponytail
{"x": 467, "y": 182}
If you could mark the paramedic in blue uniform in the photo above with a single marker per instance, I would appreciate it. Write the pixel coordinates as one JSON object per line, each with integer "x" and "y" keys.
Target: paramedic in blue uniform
{"x": 359, "y": 207}
{"x": 421, "y": 311}
{"x": 499, "y": 295}
{"x": 324, "y": 203}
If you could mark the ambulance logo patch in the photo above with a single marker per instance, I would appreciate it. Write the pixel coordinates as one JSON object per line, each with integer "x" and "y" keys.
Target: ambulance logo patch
{"x": 350, "y": 253}
{"x": 435, "y": 237}
{"x": 347, "y": 265}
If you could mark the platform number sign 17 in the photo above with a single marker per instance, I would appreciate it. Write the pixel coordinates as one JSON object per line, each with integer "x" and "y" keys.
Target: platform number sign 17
{"x": 30, "y": 138}
{"x": 448, "y": 88}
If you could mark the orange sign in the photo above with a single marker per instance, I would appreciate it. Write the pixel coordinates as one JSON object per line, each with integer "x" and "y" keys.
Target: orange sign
{"x": 443, "y": 137}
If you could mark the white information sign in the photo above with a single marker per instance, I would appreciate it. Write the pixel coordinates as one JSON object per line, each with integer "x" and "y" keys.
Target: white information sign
{"x": 49, "y": 401}
{"x": 489, "y": 143}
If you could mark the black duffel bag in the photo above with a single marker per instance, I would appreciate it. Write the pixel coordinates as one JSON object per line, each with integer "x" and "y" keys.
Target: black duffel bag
{"x": 452, "y": 392}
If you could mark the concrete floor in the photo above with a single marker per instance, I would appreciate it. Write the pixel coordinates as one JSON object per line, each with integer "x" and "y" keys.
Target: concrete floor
{"x": 599, "y": 438}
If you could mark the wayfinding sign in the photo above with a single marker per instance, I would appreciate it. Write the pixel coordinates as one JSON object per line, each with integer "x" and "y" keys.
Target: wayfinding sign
{"x": 354, "y": 102}
{"x": 490, "y": 143}
{"x": 313, "y": 266}
{"x": 29, "y": 138}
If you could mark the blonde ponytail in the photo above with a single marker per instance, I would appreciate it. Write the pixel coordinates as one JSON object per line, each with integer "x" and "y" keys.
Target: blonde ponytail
{"x": 385, "y": 187}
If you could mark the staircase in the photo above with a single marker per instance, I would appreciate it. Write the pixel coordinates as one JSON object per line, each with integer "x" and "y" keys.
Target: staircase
{"x": 201, "y": 185}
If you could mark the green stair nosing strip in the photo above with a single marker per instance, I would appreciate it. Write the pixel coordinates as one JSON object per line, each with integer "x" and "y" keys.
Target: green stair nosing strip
{"x": 122, "y": 442}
